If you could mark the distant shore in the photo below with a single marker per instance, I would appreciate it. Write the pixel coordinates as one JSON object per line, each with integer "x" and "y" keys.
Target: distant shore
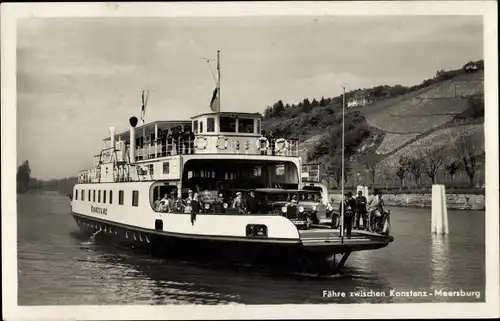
{"x": 453, "y": 201}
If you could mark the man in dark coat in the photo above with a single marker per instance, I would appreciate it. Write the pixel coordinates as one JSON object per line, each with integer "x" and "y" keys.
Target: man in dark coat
{"x": 251, "y": 203}
{"x": 360, "y": 211}
{"x": 349, "y": 205}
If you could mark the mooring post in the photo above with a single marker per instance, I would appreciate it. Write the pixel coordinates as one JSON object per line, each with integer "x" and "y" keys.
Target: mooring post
{"x": 439, "y": 212}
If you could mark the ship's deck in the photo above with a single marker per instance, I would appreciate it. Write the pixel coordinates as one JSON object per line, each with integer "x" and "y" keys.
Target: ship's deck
{"x": 329, "y": 240}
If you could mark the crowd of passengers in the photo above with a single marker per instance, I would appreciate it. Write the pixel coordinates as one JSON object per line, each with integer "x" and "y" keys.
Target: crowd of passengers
{"x": 195, "y": 201}
{"x": 359, "y": 213}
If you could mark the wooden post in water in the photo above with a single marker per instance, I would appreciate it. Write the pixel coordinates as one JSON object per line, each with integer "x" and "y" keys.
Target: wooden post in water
{"x": 439, "y": 212}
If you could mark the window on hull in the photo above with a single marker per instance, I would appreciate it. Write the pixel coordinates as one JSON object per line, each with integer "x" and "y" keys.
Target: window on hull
{"x": 120, "y": 197}
{"x": 99, "y": 196}
{"x": 83, "y": 195}
{"x": 93, "y": 196}
{"x": 76, "y": 195}
{"x": 104, "y": 196}
{"x": 110, "y": 197}
{"x": 135, "y": 198}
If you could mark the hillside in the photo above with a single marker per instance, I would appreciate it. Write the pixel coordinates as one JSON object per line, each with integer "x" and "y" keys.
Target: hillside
{"x": 397, "y": 121}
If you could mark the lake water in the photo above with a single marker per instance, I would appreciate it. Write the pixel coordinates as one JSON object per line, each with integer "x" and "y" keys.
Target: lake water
{"x": 59, "y": 266}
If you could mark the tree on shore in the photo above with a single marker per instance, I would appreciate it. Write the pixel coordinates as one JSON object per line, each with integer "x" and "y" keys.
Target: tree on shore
{"x": 402, "y": 171}
{"x": 432, "y": 160}
{"x": 452, "y": 167}
{"x": 468, "y": 148}
{"x": 332, "y": 166}
{"x": 416, "y": 168}
{"x": 370, "y": 163}
{"x": 23, "y": 177}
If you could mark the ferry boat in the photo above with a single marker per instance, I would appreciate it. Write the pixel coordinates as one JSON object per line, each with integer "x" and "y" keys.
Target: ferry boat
{"x": 218, "y": 155}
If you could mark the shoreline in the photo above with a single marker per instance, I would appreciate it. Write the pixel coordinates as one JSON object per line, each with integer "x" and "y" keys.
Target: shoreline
{"x": 467, "y": 202}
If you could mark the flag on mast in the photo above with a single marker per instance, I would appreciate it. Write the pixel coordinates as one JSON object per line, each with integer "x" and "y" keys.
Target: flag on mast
{"x": 144, "y": 103}
{"x": 214, "y": 103}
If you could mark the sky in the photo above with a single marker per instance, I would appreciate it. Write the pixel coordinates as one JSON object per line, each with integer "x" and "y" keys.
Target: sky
{"x": 76, "y": 77}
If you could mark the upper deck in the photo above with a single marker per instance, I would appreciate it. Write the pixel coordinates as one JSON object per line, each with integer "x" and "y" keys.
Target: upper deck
{"x": 158, "y": 150}
{"x": 209, "y": 133}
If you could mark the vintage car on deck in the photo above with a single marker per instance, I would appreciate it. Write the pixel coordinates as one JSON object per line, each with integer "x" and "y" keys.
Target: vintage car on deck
{"x": 287, "y": 203}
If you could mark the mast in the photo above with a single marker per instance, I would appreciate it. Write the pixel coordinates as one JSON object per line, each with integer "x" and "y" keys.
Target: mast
{"x": 218, "y": 78}
{"x": 342, "y": 183}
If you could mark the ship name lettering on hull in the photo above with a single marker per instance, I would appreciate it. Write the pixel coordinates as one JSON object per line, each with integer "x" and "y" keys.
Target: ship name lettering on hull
{"x": 99, "y": 210}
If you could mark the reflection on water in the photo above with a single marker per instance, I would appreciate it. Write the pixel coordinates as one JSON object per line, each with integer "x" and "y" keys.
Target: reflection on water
{"x": 439, "y": 261}
{"x": 57, "y": 265}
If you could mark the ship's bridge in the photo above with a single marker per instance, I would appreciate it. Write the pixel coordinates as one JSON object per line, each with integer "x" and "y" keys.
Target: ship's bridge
{"x": 209, "y": 133}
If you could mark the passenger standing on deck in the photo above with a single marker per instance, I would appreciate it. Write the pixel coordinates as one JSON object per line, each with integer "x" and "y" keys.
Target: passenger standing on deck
{"x": 169, "y": 142}
{"x": 360, "y": 210}
{"x": 195, "y": 207}
{"x": 251, "y": 203}
{"x": 164, "y": 204}
{"x": 375, "y": 208}
{"x": 176, "y": 140}
{"x": 191, "y": 138}
{"x": 238, "y": 203}
{"x": 157, "y": 204}
{"x": 349, "y": 204}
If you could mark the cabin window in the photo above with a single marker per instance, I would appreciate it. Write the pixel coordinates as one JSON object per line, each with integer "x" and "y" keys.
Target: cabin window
{"x": 257, "y": 171}
{"x": 110, "y": 197}
{"x": 89, "y": 196}
{"x": 120, "y": 197}
{"x": 210, "y": 125}
{"x": 93, "y": 195}
{"x": 104, "y": 196}
{"x": 76, "y": 195}
{"x": 280, "y": 170}
{"x": 201, "y": 126}
{"x": 99, "y": 196}
{"x": 228, "y": 125}
{"x": 195, "y": 127}
{"x": 166, "y": 168}
{"x": 151, "y": 169}
{"x": 83, "y": 195}
{"x": 135, "y": 198}
{"x": 258, "y": 126}
{"x": 245, "y": 126}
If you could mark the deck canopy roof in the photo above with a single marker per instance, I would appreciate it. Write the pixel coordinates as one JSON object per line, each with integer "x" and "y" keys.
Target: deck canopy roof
{"x": 149, "y": 128}
{"x": 230, "y": 114}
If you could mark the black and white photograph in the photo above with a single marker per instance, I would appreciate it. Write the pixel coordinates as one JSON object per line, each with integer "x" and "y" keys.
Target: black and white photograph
{"x": 250, "y": 160}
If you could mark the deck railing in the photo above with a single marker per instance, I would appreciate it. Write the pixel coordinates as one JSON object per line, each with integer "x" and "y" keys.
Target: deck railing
{"x": 269, "y": 147}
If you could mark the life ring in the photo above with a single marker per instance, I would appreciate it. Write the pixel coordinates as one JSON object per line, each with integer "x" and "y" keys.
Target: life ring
{"x": 196, "y": 142}
{"x": 226, "y": 142}
{"x": 259, "y": 144}
{"x": 247, "y": 145}
{"x": 281, "y": 145}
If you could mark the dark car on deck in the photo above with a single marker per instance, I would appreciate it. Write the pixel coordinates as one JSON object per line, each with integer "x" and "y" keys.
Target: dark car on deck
{"x": 286, "y": 203}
